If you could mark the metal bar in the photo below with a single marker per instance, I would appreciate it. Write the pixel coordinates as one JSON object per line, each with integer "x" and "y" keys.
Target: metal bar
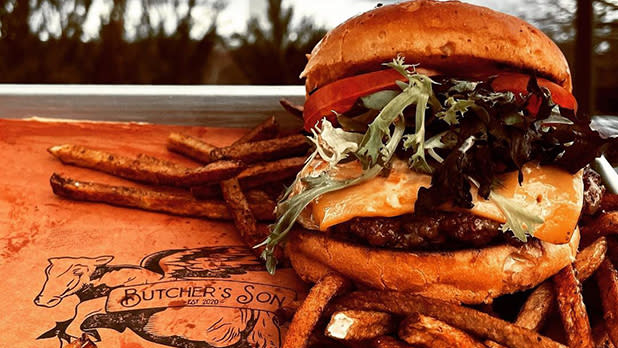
{"x": 215, "y": 106}
{"x": 608, "y": 174}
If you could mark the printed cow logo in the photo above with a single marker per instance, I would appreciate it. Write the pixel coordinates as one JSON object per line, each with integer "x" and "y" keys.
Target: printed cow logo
{"x": 179, "y": 298}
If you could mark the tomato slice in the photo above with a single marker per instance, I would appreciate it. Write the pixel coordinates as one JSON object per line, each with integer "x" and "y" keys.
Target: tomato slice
{"x": 341, "y": 95}
{"x": 518, "y": 84}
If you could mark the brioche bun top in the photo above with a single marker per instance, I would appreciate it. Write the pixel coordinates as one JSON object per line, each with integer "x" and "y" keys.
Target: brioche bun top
{"x": 450, "y": 36}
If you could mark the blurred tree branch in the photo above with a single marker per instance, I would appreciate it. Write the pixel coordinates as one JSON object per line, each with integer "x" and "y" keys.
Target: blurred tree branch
{"x": 608, "y": 3}
{"x": 275, "y": 54}
{"x": 44, "y": 41}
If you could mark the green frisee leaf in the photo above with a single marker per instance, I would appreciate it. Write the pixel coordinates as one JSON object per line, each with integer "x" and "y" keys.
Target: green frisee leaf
{"x": 454, "y": 107}
{"x": 521, "y": 221}
{"x": 417, "y": 92}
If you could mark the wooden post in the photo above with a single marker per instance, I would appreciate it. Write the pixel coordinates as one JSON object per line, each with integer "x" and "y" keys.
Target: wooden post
{"x": 583, "y": 88}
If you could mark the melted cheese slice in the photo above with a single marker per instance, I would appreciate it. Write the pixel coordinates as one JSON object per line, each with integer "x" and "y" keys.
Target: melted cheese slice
{"x": 549, "y": 192}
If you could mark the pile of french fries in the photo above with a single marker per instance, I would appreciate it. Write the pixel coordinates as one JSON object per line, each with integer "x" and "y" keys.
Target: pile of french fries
{"x": 240, "y": 182}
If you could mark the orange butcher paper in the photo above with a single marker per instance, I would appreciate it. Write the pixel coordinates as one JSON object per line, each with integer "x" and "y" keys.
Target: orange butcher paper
{"x": 125, "y": 277}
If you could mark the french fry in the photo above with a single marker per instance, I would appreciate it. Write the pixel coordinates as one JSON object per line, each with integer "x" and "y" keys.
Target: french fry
{"x": 572, "y": 308}
{"x": 146, "y": 169}
{"x": 539, "y": 304}
{"x": 264, "y": 150}
{"x": 609, "y": 202}
{"x": 235, "y": 198}
{"x": 480, "y": 324}
{"x": 605, "y": 224}
{"x": 177, "y": 203}
{"x": 536, "y": 309}
{"x": 607, "y": 279}
{"x": 251, "y": 152}
{"x": 241, "y": 212}
{"x": 612, "y": 249}
{"x": 388, "y": 342}
{"x": 268, "y": 129}
{"x": 212, "y": 191}
{"x": 268, "y": 172}
{"x": 492, "y": 344}
{"x": 191, "y": 147}
{"x": 145, "y": 158}
{"x": 257, "y": 175}
{"x": 421, "y": 330}
{"x": 590, "y": 258}
{"x": 359, "y": 325}
{"x": 259, "y": 196}
{"x": 296, "y": 110}
{"x": 204, "y": 152}
{"x": 600, "y": 337}
{"x": 311, "y": 309}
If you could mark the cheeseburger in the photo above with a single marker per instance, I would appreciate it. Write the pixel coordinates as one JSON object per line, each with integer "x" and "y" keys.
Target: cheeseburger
{"x": 449, "y": 156}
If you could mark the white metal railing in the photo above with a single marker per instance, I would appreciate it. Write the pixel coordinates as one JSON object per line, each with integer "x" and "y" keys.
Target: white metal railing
{"x": 211, "y": 105}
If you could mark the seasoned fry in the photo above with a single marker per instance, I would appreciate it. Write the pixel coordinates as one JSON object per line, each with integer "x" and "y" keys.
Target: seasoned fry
{"x": 268, "y": 129}
{"x": 492, "y": 344}
{"x": 259, "y": 196}
{"x": 249, "y": 152}
{"x": 418, "y": 329}
{"x": 588, "y": 260}
{"x": 605, "y": 224}
{"x": 146, "y": 169}
{"x": 177, "y": 203}
{"x": 388, "y": 342}
{"x": 268, "y": 172}
{"x": 612, "y": 249}
{"x": 311, "y": 309}
{"x": 359, "y": 325}
{"x": 540, "y": 302}
{"x": 265, "y": 150}
{"x": 536, "y": 309}
{"x": 235, "y": 198}
{"x": 296, "y": 110}
{"x": 607, "y": 278}
{"x": 609, "y": 202}
{"x": 480, "y": 324}
{"x": 191, "y": 147}
{"x": 257, "y": 175}
{"x": 572, "y": 308}
{"x": 212, "y": 191}
{"x": 158, "y": 161}
{"x": 600, "y": 337}
{"x": 241, "y": 212}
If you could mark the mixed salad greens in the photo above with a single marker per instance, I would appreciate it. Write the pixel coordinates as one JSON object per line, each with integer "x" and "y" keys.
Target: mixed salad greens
{"x": 460, "y": 132}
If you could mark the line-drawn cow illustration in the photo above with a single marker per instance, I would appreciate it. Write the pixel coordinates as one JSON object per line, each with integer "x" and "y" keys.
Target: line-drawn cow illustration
{"x": 91, "y": 279}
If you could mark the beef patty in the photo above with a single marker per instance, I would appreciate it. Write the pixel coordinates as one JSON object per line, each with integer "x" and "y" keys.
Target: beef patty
{"x": 443, "y": 230}
{"x": 439, "y": 231}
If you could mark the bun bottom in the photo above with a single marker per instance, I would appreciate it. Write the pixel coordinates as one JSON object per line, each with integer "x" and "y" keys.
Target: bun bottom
{"x": 468, "y": 276}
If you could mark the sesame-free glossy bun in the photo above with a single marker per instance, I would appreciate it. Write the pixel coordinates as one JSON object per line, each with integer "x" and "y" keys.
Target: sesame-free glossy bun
{"x": 451, "y": 37}
{"x": 468, "y": 276}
